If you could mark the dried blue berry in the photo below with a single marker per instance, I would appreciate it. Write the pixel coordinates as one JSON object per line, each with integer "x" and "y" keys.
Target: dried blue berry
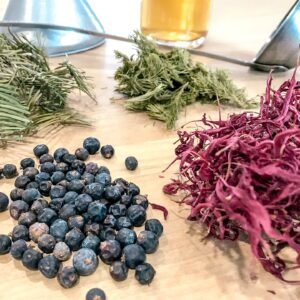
{"x": 62, "y": 167}
{"x": 148, "y": 240}
{"x": 85, "y": 261}
{"x": 38, "y": 206}
{"x": 112, "y": 194}
{"x": 126, "y": 237}
{"x": 91, "y": 242}
{"x": 16, "y": 194}
{"x": 27, "y": 162}
{"x": 131, "y": 163}
{"x": 32, "y": 185}
{"x": 31, "y": 259}
{"x": 47, "y": 216}
{"x": 104, "y": 201}
{"x": 57, "y": 191}
{"x": 78, "y": 165}
{"x": 18, "y": 207}
{"x": 92, "y": 228}
{"x": 110, "y": 221}
{"x": 88, "y": 178}
{"x": 91, "y": 144}
{"x": 62, "y": 251}
{"x": 59, "y": 229}
{"x": 76, "y": 222}
{"x": 137, "y": 215}
{"x": 9, "y": 171}
{"x": 103, "y": 178}
{"x": 41, "y": 149}
{"x": 123, "y": 222}
{"x": 144, "y": 273}
{"x": 92, "y": 168}
{"x": 74, "y": 239}
{"x": 107, "y": 151}
{"x": 64, "y": 183}
{"x": 46, "y": 243}
{"x": 110, "y": 251}
{"x": 82, "y": 154}
{"x": 30, "y": 172}
{"x": 68, "y": 158}
{"x": 27, "y": 218}
{"x": 155, "y": 226}
{"x": 48, "y": 167}
{"x": 95, "y": 294}
{"x": 46, "y": 158}
{"x": 5, "y": 244}
{"x": 22, "y": 181}
{"x": 140, "y": 200}
{"x": 87, "y": 217}
{"x": 134, "y": 255}
{"x": 133, "y": 189}
{"x": 71, "y": 175}
{"x": 42, "y": 176}
{"x": 67, "y": 211}
{"x": 56, "y": 204}
{"x": 75, "y": 185}
{"x": 121, "y": 182}
{"x": 82, "y": 202}
{"x": 3, "y": 202}
{"x": 68, "y": 277}
{"x": 18, "y": 248}
{"x": 118, "y": 210}
{"x": 30, "y": 195}
{"x": 97, "y": 211}
{"x": 36, "y": 230}
{"x": 118, "y": 271}
{"x": 95, "y": 190}
{"x": 49, "y": 266}
{"x": 126, "y": 200}
{"x": 107, "y": 234}
{"x": 59, "y": 153}
{"x": 57, "y": 176}
{"x": 70, "y": 197}
{"x": 20, "y": 232}
{"x": 103, "y": 169}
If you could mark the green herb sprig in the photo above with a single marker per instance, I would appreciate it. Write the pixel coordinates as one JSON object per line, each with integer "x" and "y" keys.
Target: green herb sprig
{"x": 32, "y": 95}
{"x": 163, "y": 83}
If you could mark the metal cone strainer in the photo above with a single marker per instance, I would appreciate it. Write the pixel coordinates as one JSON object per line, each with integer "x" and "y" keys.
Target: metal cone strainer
{"x": 72, "y": 13}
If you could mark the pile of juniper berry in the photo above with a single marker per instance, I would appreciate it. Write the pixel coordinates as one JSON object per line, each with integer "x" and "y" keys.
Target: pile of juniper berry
{"x": 88, "y": 215}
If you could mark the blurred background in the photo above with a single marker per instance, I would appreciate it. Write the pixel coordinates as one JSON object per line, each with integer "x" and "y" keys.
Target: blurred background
{"x": 121, "y": 17}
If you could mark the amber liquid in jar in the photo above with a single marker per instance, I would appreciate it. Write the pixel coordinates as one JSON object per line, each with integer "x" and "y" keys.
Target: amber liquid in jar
{"x": 176, "y": 22}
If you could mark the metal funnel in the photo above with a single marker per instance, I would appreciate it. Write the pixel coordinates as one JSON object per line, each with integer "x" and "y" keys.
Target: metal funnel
{"x": 282, "y": 46}
{"x": 74, "y": 13}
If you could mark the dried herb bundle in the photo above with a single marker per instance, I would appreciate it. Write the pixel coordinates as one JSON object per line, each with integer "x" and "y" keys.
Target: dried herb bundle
{"x": 31, "y": 93}
{"x": 162, "y": 84}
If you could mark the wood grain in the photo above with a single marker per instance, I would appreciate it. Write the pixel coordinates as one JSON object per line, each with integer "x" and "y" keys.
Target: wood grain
{"x": 187, "y": 268}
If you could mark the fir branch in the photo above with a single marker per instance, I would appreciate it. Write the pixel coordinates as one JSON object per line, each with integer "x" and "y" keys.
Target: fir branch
{"x": 32, "y": 95}
{"x": 14, "y": 117}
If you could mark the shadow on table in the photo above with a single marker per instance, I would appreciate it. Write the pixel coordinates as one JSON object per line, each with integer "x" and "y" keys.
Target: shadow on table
{"x": 5, "y": 259}
{"x": 229, "y": 249}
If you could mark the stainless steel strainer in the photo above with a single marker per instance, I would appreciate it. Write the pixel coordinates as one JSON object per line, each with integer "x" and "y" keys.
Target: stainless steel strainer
{"x": 25, "y": 16}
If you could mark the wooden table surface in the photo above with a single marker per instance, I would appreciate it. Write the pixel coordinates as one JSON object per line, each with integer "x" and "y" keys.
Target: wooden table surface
{"x": 187, "y": 268}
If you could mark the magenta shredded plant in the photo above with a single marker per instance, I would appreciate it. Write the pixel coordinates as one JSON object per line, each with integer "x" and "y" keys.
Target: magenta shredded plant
{"x": 242, "y": 176}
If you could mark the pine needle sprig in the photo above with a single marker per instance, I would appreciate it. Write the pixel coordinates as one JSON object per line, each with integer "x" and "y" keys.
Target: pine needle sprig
{"x": 32, "y": 94}
{"x": 163, "y": 83}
